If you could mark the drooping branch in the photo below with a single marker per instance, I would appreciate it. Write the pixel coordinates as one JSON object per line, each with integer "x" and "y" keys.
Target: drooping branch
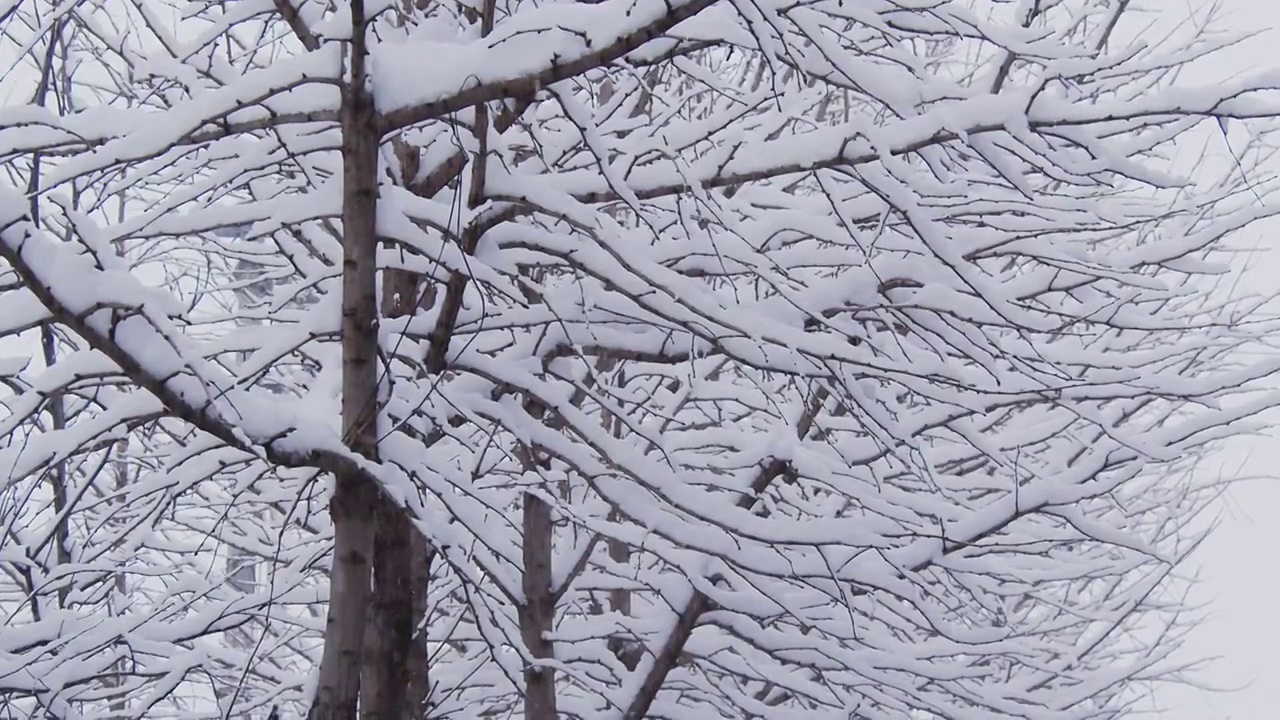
{"x": 654, "y": 669}
{"x": 126, "y": 322}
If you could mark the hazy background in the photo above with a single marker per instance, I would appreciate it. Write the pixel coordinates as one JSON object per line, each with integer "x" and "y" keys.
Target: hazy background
{"x": 1238, "y": 565}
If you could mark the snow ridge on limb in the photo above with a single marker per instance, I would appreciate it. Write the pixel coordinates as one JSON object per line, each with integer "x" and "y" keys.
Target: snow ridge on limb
{"x": 808, "y": 359}
{"x": 130, "y": 324}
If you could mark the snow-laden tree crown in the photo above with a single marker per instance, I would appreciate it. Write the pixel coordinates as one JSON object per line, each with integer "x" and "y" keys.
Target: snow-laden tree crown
{"x": 623, "y": 359}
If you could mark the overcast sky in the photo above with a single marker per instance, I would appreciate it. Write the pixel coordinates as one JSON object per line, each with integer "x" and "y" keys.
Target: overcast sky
{"x": 1240, "y": 563}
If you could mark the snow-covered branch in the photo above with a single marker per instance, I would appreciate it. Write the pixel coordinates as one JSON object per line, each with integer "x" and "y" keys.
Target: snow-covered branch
{"x": 615, "y": 359}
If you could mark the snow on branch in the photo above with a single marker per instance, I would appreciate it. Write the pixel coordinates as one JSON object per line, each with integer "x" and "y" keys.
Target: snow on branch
{"x": 720, "y": 359}
{"x": 133, "y": 326}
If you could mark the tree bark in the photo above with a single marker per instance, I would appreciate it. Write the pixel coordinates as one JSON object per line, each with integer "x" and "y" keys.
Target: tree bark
{"x": 355, "y": 498}
{"x": 390, "y": 623}
{"x": 417, "y": 695}
{"x": 538, "y": 611}
{"x": 394, "y": 682}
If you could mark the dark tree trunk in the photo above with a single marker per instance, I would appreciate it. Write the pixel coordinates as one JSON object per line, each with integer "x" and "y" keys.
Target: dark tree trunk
{"x": 394, "y": 680}
{"x": 538, "y": 612}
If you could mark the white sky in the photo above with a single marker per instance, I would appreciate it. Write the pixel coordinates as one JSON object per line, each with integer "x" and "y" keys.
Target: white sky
{"x": 1239, "y": 566}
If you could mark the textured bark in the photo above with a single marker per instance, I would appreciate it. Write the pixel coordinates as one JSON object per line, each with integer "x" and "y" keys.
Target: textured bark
{"x": 352, "y": 509}
{"x": 389, "y": 633}
{"x": 417, "y": 696}
{"x": 356, "y": 497}
{"x": 538, "y": 611}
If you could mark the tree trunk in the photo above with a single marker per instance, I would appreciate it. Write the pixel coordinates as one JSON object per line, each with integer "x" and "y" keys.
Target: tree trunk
{"x": 354, "y": 503}
{"x": 627, "y": 650}
{"x": 418, "y": 693}
{"x": 389, "y": 632}
{"x": 394, "y": 676}
{"x": 538, "y": 611}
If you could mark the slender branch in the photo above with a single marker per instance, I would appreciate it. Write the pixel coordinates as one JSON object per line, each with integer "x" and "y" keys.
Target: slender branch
{"x": 300, "y": 30}
{"x": 557, "y": 66}
{"x": 656, "y": 671}
{"x": 840, "y": 147}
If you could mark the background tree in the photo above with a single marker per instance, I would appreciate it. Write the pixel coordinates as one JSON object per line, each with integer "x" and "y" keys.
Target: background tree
{"x": 619, "y": 359}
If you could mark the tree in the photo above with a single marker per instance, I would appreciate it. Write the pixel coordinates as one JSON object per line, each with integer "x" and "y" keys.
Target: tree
{"x": 679, "y": 359}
